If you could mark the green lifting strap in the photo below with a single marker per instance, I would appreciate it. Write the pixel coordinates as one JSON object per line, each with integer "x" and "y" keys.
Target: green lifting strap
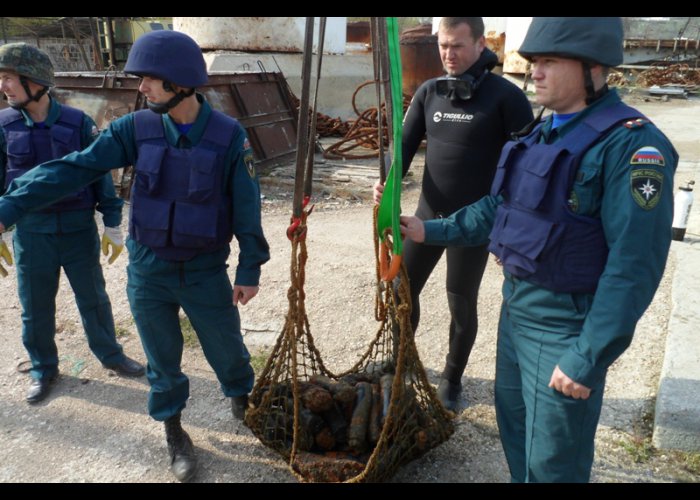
{"x": 390, "y": 206}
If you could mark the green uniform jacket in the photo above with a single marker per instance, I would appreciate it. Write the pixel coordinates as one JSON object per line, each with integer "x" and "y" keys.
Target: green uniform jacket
{"x": 77, "y": 220}
{"x": 116, "y": 148}
{"x": 636, "y": 220}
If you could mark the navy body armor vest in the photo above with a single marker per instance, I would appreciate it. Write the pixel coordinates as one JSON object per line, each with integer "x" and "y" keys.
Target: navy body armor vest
{"x": 535, "y": 234}
{"x": 28, "y": 147}
{"x": 180, "y": 205}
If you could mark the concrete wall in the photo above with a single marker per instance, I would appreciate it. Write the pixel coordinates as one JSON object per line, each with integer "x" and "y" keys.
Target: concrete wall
{"x": 661, "y": 28}
{"x": 516, "y": 29}
{"x": 269, "y": 34}
{"x": 276, "y": 43}
{"x": 341, "y": 75}
{"x": 677, "y": 416}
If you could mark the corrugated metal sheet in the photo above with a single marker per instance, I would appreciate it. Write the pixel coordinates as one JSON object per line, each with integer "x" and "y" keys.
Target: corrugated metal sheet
{"x": 262, "y": 103}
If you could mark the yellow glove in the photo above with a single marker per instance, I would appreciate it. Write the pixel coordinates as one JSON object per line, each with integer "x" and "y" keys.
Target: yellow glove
{"x": 112, "y": 237}
{"x": 5, "y": 253}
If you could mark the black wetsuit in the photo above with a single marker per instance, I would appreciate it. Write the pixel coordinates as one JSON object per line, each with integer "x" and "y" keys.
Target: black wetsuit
{"x": 464, "y": 143}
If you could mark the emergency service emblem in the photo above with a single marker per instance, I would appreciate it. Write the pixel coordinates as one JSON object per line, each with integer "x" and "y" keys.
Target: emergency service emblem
{"x": 646, "y": 184}
{"x": 648, "y": 155}
{"x": 250, "y": 165}
{"x": 248, "y": 158}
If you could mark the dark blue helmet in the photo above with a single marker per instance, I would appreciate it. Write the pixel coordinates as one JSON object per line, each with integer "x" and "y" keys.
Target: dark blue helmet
{"x": 597, "y": 40}
{"x": 170, "y": 56}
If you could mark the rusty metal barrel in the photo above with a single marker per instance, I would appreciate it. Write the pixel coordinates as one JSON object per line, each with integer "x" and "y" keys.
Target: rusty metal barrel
{"x": 420, "y": 57}
{"x": 358, "y": 32}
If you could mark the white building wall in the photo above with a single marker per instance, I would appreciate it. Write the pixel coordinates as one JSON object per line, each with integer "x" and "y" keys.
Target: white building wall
{"x": 266, "y": 34}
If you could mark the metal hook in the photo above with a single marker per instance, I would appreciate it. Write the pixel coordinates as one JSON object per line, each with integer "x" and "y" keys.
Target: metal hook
{"x": 111, "y": 69}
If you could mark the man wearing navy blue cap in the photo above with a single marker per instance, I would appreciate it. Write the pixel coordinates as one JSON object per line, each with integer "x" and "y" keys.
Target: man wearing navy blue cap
{"x": 195, "y": 187}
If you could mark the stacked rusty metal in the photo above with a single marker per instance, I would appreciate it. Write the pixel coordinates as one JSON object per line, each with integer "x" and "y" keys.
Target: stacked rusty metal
{"x": 674, "y": 74}
{"x": 361, "y": 140}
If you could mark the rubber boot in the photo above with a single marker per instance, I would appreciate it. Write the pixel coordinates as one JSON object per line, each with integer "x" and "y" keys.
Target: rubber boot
{"x": 448, "y": 393}
{"x": 239, "y": 404}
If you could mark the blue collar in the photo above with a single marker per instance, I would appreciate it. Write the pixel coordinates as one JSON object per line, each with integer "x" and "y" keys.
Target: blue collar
{"x": 559, "y": 119}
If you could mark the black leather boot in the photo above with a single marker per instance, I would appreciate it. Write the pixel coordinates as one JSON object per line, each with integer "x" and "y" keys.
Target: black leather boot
{"x": 183, "y": 462}
{"x": 127, "y": 367}
{"x": 40, "y": 388}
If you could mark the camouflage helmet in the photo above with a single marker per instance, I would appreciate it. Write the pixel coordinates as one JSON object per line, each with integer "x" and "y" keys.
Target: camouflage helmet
{"x": 28, "y": 61}
{"x": 597, "y": 40}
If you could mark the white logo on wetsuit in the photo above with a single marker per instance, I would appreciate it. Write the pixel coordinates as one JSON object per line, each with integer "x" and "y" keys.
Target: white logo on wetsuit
{"x": 452, "y": 117}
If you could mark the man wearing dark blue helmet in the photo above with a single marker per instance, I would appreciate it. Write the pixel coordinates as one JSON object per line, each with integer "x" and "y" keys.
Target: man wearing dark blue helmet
{"x": 580, "y": 216}
{"x": 195, "y": 188}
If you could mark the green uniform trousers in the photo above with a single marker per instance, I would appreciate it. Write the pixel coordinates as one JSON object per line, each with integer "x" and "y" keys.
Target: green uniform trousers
{"x": 546, "y": 436}
{"x": 40, "y": 257}
{"x": 209, "y": 306}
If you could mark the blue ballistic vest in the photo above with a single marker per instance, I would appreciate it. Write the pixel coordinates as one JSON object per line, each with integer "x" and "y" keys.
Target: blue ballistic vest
{"x": 535, "y": 234}
{"x": 28, "y": 147}
{"x": 180, "y": 207}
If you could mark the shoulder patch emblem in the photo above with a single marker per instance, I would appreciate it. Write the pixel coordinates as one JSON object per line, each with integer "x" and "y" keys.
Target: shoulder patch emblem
{"x": 250, "y": 164}
{"x": 248, "y": 157}
{"x": 648, "y": 155}
{"x": 646, "y": 185}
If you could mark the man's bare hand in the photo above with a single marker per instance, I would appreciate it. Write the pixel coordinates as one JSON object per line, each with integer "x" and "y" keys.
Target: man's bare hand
{"x": 243, "y": 294}
{"x": 562, "y": 383}
{"x": 413, "y": 228}
{"x": 378, "y": 191}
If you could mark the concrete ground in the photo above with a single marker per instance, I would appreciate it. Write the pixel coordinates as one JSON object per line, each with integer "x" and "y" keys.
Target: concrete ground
{"x": 677, "y": 417}
{"x": 94, "y": 427}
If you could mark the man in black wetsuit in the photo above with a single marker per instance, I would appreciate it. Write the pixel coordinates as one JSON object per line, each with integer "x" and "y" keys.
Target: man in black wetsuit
{"x": 468, "y": 116}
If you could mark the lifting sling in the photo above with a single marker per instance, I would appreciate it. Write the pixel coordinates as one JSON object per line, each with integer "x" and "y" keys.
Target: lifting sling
{"x": 362, "y": 424}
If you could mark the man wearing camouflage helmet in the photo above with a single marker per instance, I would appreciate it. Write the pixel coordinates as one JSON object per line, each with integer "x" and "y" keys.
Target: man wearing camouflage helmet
{"x": 579, "y": 216}
{"x": 34, "y": 129}
{"x": 195, "y": 187}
